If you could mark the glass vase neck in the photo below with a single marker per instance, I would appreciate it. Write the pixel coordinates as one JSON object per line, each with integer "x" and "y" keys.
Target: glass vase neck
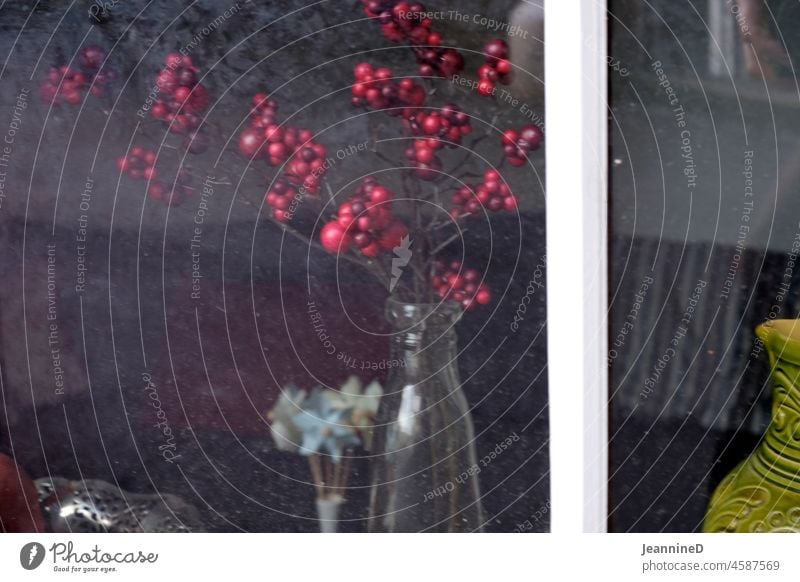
{"x": 402, "y": 314}
{"x": 422, "y": 326}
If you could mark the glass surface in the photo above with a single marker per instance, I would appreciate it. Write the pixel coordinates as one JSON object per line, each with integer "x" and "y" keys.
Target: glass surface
{"x": 704, "y": 242}
{"x": 427, "y": 471}
{"x": 183, "y": 265}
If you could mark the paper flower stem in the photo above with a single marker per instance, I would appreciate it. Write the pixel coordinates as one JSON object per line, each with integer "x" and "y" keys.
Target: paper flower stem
{"x": 329, "y": 474}
{"x": 345, "y": 473}
{"x": 337, "y": 479}
{"x": 316, "y": 474}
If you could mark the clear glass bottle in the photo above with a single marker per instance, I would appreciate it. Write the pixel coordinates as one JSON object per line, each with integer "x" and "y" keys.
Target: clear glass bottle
{"x": 425, "y": 467}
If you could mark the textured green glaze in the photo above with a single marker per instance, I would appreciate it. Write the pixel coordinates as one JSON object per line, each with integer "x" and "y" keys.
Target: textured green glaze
{"x": 762, "y": 494}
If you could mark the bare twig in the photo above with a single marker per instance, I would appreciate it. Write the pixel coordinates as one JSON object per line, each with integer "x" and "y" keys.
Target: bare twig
{"x": 447, "y": 242}
{"x": 447, "y": 223}
{"x": 384, "y": 158}
{"x": 387, "y": 278}
{"x": 468, "y": 155}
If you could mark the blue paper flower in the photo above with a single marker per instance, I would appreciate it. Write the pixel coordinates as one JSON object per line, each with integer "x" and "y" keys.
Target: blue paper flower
{"x": 286, "y": 435}
{"x": 325, "y": 427}
{"x": 362, "y": 404}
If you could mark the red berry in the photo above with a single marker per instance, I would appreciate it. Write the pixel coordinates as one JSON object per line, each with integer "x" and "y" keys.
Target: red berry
{"x": 392, "y": 236}
{"x": 157, "y": 190}
{"x": 364, "y": 223}
{"x": 335, "y": 238}
{"x": 503, "y": 66}
{"x": 383, "y": 74}
{"x": 181, "y": 94}
{"x": 362, "y": 70}
{"x": 274, "y": 133}
{"x": 361, "y": 239}
{"x": 72, "y": 97}
{"x": 92, "y": 57}
{"x": 380, "y": 194}
{"x": 488, "y": 72}
{"x": 431, "y": 125}
{"x": 277, "y": 150}
{"x": 159, "y": 110}
{"x": 299, "y": 168}
{"x": 485, "y": 87}
{"x": 496, "y": 49}
{"x": 371, "y": 250}
{"x": 483, "y": 296}
{"x": 249, "y": 143}
{"x": 401, "y": 11}
{"x": 510, "y": 136}
{"x": 451, "y": 62}
{"x": 424, "y": 155}
{"x": 166, "y": 81}
{"x": 173, "y": 60}
{"x": 304, "y": 136}
{"x": 532, "y": 135}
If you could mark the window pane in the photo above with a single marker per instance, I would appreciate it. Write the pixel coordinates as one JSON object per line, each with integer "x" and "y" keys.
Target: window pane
{"x": 704, "y": 233}
{"x": 185, "y": 264}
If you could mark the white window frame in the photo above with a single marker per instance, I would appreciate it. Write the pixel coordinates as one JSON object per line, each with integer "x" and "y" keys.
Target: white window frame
{"x": 577, "y": 262}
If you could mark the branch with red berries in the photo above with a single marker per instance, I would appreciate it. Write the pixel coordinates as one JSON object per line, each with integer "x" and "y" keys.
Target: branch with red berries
{"x": 381, "y": 228}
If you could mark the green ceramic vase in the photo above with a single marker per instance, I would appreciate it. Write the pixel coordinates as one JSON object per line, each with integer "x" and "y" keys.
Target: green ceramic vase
{"x": 762, "y": 494}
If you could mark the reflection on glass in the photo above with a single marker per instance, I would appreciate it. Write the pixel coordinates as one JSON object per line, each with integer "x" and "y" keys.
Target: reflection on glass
{"x": 703, "y": 246}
